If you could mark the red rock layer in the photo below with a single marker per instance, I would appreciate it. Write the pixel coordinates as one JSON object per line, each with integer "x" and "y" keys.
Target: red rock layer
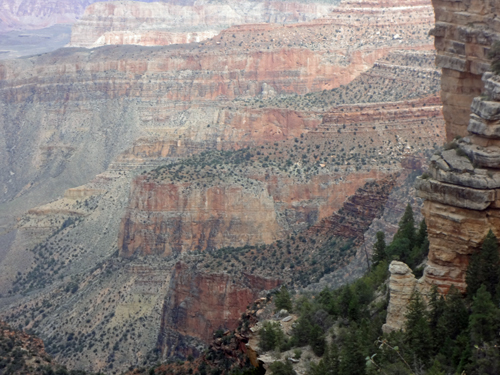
{"x": 198, "y": 304}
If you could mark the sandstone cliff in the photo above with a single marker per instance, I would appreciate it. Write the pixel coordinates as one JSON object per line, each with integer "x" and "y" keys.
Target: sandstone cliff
{"x": 37, "y": 14}
{"x": 462, "y": 186}
{"x": 461, "y": 190}
{"x": 463, "y": 32}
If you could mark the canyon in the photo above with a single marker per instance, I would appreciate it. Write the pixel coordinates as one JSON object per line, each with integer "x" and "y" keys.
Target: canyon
{"x": 151, "y": 191}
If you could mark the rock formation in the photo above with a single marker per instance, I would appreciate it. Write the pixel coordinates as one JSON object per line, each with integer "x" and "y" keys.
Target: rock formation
{"x": 402, "y": 284}
{"x": 37, "y": 14}
{"x": 463, "y": 32}
{"x": 119, "y": 164}
{"x": 461, "y": 190}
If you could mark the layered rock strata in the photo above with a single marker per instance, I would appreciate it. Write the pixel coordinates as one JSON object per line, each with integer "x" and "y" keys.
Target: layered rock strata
{"x": 402, "y": 284}
{"x": 199, "y": 304}
{"x": 463, "y": 33}
{"x": 462, "y": 193}
{"x": 162, "y": 23}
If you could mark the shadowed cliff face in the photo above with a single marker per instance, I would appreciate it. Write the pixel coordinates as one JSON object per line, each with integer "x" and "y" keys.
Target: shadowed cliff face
{"x": 198, "y": 304}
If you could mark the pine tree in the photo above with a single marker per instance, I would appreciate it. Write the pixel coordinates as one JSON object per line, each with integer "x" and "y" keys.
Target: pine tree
{"x": 484, "y": 268}
{"x": 455, "y": 318}
{"x": 473, "y": 275}
{"x": 352, "y": 360}
{"x": 421, "y": 234}
{"x": 407, "y": 226}
{"x": 379, "y": 253}
{"x": 436, "y": 309}
{"x": 490, "y": 263}
{"x": 317, "y": 340}
{"x": 483, "y": 321}
{"x": 283, "y": 299}
{"x": 404, "y": 239}
{"x": 345, "y": 300}
{"x": 417, "y": 331}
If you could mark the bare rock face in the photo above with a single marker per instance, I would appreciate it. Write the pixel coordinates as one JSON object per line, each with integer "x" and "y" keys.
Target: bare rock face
{"x": 198, "y": 304}
{"x": 462, "y": 188}
{"x": 402, "y": 284}
{"x": 463, "y": 33}
{"x": 182, "y": 218}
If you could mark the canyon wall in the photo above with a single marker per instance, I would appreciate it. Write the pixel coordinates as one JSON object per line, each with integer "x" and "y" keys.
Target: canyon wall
{"x": 37, "y": 14}
{"x": 118, "y": 164}
{"x": 199, "y": 304}
{"x": 164, "y": 23}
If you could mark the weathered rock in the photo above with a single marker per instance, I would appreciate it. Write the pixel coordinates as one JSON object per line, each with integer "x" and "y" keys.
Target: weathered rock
{"x": 457, "y": 163}
{"x": 402, "y": 284}
{"x": 485, "y": 157}
{"x": 484, "y": 109}
{"x": 458, "y": 196}
{"x": 483, "y": 127}
{"x": 463, "y": 32}
{"x": 454, "y": 234}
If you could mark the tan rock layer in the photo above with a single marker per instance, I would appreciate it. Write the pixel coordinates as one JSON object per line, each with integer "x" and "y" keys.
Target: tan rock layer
{"x": 463, "y": 33}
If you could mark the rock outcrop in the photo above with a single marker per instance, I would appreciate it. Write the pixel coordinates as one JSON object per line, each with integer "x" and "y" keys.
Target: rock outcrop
{"x": 462, "y": 188}
{"x": 463, "y": 33}
{"x": 402, "y": 284}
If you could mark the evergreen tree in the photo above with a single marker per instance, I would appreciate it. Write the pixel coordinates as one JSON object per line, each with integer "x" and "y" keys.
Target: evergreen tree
{"x": 407, "y": 226}
{"x": 379, "y": 253}
{"x": 490, "y": 263}
{"x": 455, "y": 318}
{"x": 404, "y": 239}
{"x": 283, "y": 300}
{"x": 473, "y": 275}
{"x": 317, "y": 340}
{"x": 302, "y": 331}
{"x": 484, "y": 268}
{"x": 329, "y": 364}
{"x": 417, "y": 332}
{"x": 352, "y": 361}
{"x": 280, "y": 368}
{"x": 328, "y": 302}
{"x": 345, "y": 300}
{"x": 421, "y": 234}
{"x": 436, "y": 309}
{"x": 483, "y": 322}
